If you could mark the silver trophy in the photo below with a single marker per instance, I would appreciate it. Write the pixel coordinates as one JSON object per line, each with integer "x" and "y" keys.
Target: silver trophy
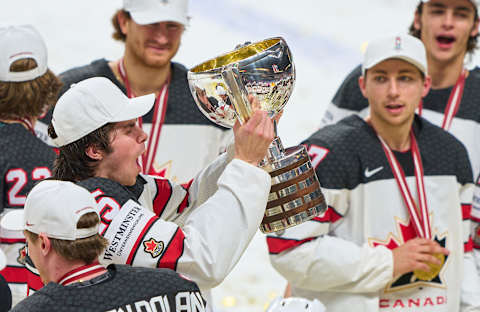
{"x": 265, "y": 69}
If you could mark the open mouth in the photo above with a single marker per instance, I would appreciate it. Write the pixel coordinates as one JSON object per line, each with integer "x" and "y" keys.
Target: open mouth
{"x": 394, "y": 108}
{"x": 445, "y": 39}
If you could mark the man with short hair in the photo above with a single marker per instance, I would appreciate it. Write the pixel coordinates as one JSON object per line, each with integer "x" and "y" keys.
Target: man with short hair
{"x": 199, "y": 229}
{"x": 182, "y": 140}
{"x": 449, "y": 31}
{"x": 396, "y": 234}
{"x": 27, "y": 89}
{"x": 61, "y": 225}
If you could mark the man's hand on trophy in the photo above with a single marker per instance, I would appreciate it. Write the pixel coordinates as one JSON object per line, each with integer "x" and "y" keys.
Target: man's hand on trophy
{"x": 253, "y": 137}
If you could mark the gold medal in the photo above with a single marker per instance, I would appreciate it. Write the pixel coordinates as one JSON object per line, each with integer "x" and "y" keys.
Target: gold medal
{"x": 434, "y": 269}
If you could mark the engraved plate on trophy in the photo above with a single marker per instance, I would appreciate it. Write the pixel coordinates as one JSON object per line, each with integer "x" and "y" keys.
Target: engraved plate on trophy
{"x": 265, "y": 69}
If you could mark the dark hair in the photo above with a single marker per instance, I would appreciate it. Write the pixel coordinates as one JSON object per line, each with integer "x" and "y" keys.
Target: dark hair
{"x": 28, "y": 98}
{"x": 472, "y": 40}
{"x": 117, "y": 31}
{"x": 73, "y": 163}
{"x": 86, "y": 249}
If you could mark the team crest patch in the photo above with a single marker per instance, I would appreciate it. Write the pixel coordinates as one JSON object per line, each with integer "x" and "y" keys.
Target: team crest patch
{"x": 153, "y": 247}
{"x": 22, "y": 255}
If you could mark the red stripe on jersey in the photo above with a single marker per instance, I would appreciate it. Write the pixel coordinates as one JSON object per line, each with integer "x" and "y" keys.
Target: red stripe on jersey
{"x": 15, "y": 275}
{"x": 139, "y": 239}
{"x": 468, "y": 246}
{"x": 330, "y": 215}
{"x": 276, "y": 245}
{"x": 164, "y": 192}
{"x": 34, "y": 281}
{"x": 184, "y": 203}
{"x": 466, "y": 211}
{"x": 4, "y": 240}
{"x": 173, "y": 251}
{"x": 475, "y": 219}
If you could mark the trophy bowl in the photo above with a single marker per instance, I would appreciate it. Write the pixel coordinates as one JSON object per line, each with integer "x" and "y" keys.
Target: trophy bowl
{"x": 265, "y": 69}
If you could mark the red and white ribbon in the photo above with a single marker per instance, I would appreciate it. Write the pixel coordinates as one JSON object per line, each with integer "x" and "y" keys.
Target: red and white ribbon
{"x": 80, "y": 272}
{"x": 419, "y": 217}
{"x": 157, "y": 122}
{"x": 453, "y": 101}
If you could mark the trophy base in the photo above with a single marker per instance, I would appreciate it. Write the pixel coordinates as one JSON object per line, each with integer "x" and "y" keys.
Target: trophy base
{"x": 295, "y": 195}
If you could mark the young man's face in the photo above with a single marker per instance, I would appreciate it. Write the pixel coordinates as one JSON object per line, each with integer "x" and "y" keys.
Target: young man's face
{"x": 445, "y": 27}
{"x": 127, "y": 142}
{"x": 153, "y": 44}
{"x": 394, "y": 89}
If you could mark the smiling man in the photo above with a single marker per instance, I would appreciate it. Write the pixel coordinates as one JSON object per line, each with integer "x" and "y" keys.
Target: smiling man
{"x": 396, "y": 235}
{"x": 182, "y": 140}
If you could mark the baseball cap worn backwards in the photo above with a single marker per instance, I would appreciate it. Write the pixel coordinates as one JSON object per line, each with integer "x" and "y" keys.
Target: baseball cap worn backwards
{"x": 404, "y": 47}
{"x": 21, "y": 42}
{"x": 91, "y": 104}
{"x": 146, "y": 12}
{"x": 54, "y": 208}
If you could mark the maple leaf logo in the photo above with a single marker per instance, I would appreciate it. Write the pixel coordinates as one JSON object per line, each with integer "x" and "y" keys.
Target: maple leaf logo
{"x": 407, "y": 232}
{"x": 163, "y": 170}
{"x": 153, "y": 247}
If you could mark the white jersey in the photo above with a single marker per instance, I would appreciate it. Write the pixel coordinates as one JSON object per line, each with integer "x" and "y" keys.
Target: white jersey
{"x": 199, "y": 229}
{"x": 344, "y": 257}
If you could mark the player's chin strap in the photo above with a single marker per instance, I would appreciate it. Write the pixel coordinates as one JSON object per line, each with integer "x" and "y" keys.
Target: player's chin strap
{"x": 79, "y": 273}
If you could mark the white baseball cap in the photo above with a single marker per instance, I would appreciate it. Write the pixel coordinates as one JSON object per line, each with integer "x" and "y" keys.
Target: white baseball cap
{"x": 146, "y": 12}
{"x": 405, "y": 47}
{"x": 20, "y": 42}
{"x": 91, "y": 104}
{"x": 54, "y": 208}
{"x": 220, "y": 90}
{"x": 3, "y": 260}
{"x": 475, "y": 2}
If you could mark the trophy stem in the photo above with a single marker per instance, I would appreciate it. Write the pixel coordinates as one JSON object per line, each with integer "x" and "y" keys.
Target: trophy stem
{"x": 276, "y": 150}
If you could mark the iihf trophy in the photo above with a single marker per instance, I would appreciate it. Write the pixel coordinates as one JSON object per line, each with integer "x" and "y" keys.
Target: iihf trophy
{"x": 265, "y": 69}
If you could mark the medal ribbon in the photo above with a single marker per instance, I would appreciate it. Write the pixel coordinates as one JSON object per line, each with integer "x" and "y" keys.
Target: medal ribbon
{"x": 80, "y": 272}
{"x": 453, "y": 101}
{"x": 27, "y": 123}
{"x": 420, "y": 218}
{"x": 157, "y": 122}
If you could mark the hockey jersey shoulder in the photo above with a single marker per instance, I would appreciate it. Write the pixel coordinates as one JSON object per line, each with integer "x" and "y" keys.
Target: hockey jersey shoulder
{"x": 102, "y": 187}
{"x": 469, "y": 106}
{"x": 442, "y": 153}
{"x": 98, "y": 68}
{"x": 342, "y": 143}
{"x": 348, "y": 96}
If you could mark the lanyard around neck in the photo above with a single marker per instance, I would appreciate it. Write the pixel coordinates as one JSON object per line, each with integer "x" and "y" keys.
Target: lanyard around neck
{"x": 453, "y": 101}
{"x": 158, "y": 119}
{"x": 419, "y": 217}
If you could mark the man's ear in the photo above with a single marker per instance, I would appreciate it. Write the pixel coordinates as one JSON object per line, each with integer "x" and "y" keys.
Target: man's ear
{"x": 94, "y": 152}
{"x": 123, "y": 21}
{"x": 45, "y": 244}
{"x": 361, "y": 85}
{"x": 417, "y": 23}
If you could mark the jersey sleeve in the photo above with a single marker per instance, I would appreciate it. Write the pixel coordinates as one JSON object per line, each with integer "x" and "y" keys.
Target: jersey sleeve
{"x": 307, "y": 254}
{"x": 175, "y": 202}
{"x": 214, "y": 236}
{"x": 348, "y": 100}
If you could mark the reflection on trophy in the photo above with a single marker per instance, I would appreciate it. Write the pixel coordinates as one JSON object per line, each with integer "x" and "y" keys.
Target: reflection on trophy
{"x": 265, "y": 69}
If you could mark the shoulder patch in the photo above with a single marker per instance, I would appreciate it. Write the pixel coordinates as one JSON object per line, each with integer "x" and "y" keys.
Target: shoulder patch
{"x": 153, "y": 247}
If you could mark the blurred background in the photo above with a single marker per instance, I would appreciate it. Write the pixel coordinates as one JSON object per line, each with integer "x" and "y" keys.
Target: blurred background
{"x": 326, "y": 39}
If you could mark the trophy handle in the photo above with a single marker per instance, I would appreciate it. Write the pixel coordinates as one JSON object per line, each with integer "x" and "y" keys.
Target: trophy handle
{"x": 238, "y": 93}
